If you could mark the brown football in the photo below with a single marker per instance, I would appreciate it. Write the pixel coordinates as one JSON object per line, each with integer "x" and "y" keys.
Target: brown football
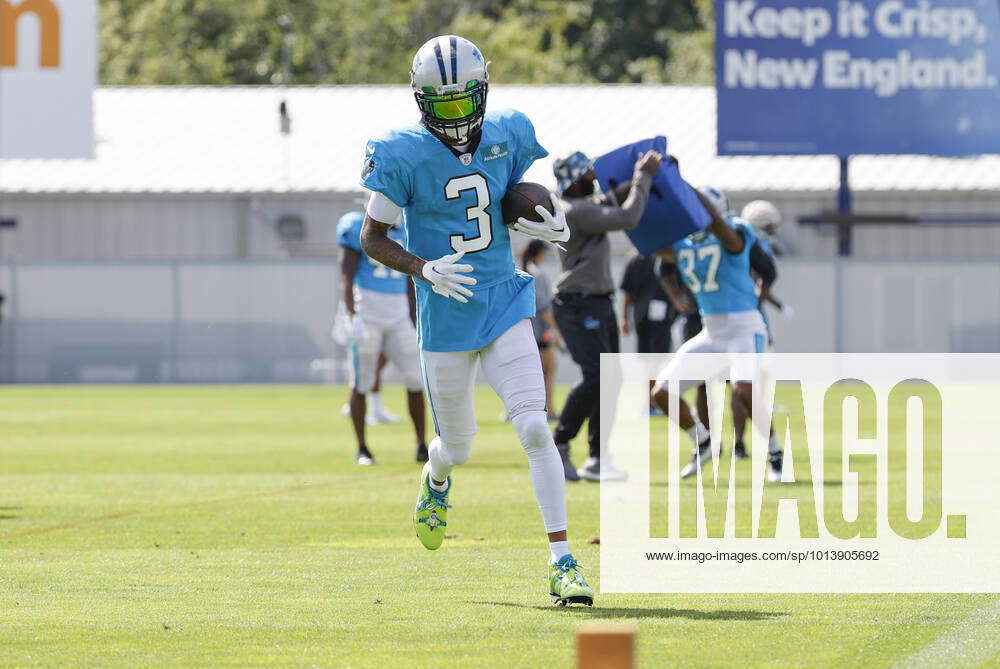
{"x": 521, "y": 200}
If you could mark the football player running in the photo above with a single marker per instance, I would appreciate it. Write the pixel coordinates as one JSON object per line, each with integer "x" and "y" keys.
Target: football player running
{"x": 715, "y": 266}
{"x": 448, "y": 176}
{"x": 378, "y": 302}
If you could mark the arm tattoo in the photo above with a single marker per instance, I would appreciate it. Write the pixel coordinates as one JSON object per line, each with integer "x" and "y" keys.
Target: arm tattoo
{"x": 376, "y": 243}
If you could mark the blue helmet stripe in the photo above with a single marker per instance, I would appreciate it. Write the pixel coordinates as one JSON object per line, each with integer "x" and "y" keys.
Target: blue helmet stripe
{"x": 454, "y": 59}
{"x": 440, "y": 59}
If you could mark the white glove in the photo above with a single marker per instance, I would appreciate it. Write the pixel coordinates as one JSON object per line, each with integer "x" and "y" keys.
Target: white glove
{"x": 787, "y": 311}
{"x": 447, "y": 278}
{"x": 553, "y": 227}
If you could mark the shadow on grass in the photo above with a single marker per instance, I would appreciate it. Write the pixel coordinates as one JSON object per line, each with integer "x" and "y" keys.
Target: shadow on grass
{"x": 666, "y": 612}
{"x": 10, "y": 508}
{"x": 7, "y": 516}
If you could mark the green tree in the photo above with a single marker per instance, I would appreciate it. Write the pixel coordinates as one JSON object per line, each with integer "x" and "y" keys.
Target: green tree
{"x": 372, "y": 41}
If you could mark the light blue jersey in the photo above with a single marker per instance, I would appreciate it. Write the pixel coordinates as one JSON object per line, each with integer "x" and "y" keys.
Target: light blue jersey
{"x": 452, "y": 203}
{"x": 371, "y": 275}
{"x": 720, "y": 280}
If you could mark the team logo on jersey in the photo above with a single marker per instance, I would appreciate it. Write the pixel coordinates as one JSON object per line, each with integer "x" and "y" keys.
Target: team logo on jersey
{"x": 368, "y": 168}
{"x": 494, "y": 152}
{"x": 466, "y": 158}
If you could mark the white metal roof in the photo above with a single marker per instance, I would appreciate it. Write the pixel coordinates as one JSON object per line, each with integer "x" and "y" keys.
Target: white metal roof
{"x": 223, "y": 140}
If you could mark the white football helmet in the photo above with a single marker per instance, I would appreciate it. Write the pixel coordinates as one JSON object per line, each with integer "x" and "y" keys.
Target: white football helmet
{"x": 718, "y": 199}
{"x": 763, "y": 216}
{"x": 450, "y": 82}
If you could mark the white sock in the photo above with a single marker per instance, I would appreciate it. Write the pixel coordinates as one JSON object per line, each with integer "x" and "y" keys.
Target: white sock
{"x": 697, "y": 432}
{"x": 547, "y": 478}
{"x": 376, "y": 400}
{"x": 444, "y": 459}
{"x": 440, "y": 464}
{"x": 558, "y": 549}
{"x": 434, "y": 486}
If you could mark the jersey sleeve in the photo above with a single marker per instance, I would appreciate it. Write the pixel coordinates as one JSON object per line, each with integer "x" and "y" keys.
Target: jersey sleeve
{"x": 383, "y": 173}
{"x": 528, "y": 148}
{"x": 349, "y": 231}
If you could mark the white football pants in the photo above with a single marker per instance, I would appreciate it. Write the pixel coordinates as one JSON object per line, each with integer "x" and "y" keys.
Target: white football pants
{"x": 513, "y": 369}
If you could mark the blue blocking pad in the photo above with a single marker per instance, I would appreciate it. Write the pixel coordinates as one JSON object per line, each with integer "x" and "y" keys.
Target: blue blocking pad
{"x": 673, "y": 211}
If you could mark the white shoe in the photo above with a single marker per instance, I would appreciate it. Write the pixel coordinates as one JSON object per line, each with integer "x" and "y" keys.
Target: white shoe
{"x": 596, "y": 469}
{"x": 381, "y": 415}
{"x": 699, "y": 457}
{"x": 364, "y": 458}
{"x": 591, "y": 470}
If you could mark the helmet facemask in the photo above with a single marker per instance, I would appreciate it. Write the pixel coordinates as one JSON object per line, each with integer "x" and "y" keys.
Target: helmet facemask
{"x": 454, "y": 115}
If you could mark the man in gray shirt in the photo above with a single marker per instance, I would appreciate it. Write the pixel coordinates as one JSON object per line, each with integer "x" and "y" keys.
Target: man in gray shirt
{"x": 583, "y": 306}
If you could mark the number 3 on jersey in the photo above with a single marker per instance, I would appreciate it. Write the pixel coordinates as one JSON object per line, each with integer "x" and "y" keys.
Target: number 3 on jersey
{"x": 685, "y": 258}
{"x": 477, "y": 213}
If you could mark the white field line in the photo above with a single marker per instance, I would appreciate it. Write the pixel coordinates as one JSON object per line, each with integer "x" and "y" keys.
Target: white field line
{"x": 970, "y": 643}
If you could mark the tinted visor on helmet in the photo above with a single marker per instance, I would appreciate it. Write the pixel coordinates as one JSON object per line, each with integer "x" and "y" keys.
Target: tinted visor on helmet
{"x": 448, "y": 107}
{"x": 460, "y": 110}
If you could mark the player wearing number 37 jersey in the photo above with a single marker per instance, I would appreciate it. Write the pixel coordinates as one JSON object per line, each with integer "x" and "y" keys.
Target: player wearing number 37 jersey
{"x": 715, "y": 266}
{"x": 448, "y": 175}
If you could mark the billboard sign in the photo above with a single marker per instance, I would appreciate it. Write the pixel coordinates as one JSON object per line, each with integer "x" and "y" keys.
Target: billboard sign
{"x": 48, "y": 70}
{"x": 850, "y": 77}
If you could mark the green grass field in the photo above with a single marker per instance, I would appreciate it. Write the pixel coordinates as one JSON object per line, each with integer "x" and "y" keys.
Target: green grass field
{"x": 156, "y": 526}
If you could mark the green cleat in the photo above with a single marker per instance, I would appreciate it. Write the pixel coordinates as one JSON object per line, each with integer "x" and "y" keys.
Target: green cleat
{"x": 431, "y": 513}
{"x": 567, "y": 585}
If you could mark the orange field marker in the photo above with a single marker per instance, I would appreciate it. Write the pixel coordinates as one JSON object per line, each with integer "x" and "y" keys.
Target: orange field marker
{"x": 606, "y": 646}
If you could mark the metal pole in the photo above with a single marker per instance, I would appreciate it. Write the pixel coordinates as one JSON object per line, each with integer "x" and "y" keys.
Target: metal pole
{"x": 844, "y": 230}
{"x": 844, "y": 251}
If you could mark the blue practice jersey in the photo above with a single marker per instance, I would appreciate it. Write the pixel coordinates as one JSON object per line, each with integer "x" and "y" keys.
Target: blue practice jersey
{"x": 452, "y": 203}
{"x": 720, "y": 280}
{"x": 371, "y": 275}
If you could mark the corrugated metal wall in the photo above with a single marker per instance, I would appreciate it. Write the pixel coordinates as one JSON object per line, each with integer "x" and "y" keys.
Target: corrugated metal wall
{"x": 121, "y": 228}
{"x": 270, "y": 320}
{"x": 166, "y": 227}
{"x": 229, "y": 227}
{"x": 154, "y": 321}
